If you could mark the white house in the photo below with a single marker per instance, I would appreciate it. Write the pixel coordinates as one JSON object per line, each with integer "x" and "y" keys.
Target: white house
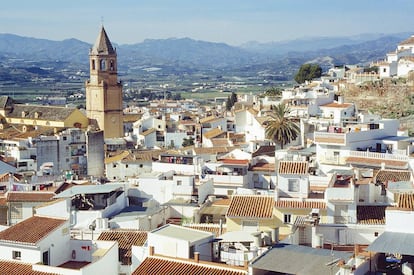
{"x": 36, "y": 240}
{"x": 399, "y": 62}
{"x": 181, "y": 242}
{"x": 127, "y": 164}
{"x": 22, "y": 204}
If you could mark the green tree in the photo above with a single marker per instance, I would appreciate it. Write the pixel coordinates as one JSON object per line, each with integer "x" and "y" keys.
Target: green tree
{"x": 281, "y": 128}
{"x": 273, "y": 92}
{"x": 231, "y": 100}
{"x": 308, "y": 72}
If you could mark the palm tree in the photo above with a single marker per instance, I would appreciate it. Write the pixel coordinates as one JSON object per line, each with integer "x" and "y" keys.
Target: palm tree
{"x": 281, "y": 128}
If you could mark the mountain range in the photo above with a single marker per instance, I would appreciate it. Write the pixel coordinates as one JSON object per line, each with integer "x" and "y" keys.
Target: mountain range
{"x": 189, "y": 54}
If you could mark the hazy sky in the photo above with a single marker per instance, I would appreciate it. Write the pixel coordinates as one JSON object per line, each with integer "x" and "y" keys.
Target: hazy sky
{"x": 229, "y": 21}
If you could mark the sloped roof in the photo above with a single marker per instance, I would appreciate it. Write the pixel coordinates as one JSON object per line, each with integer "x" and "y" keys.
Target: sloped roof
{"x": 267, "y": 150}
{"x": 307, "y": 204}
{"x": 102, "y": 44}
{"x": 209, "y": 119}
{"x": 159, "y": 265}
{"x": 220, "y": 142}
{"x": 126, "y": 239}
{"x": 371, "y": 214}
{"x": 405, "y": 201}
{"x": 51, "y": 113}
{"x": 293, "y": 167}
{"x": 35, "y": 196}
{"x": 393, "y": 175}
{"x": 181, "y": 232}
{"x": 398, "y": 164}
{"x": 213, "y": 133}
{"x": 208, "y": 227}
{"x": 31, "y": 230}
{"x": 299, "y": 259}
{"x": 149, "y": 131}
{"x": 18, "y": 268}
{"x": 251, "y": 206}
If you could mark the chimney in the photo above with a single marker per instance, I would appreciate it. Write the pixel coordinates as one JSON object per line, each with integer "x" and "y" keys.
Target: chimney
{"x": 151, "y": 251}
{"x": 356, "y": 250}
{"x": 197, "y": 257}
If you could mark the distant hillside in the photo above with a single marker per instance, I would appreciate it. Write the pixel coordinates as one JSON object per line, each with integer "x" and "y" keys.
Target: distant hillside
{"x": 315, "y": 43}
{"x": 186, "y": 55}
{"x": 40, "y": 49}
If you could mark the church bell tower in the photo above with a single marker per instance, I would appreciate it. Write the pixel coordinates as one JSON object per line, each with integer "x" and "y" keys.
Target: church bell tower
{"x": 103, "y": 90}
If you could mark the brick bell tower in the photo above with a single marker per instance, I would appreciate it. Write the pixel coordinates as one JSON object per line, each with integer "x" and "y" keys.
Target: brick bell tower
{"x": 103, "y": 90}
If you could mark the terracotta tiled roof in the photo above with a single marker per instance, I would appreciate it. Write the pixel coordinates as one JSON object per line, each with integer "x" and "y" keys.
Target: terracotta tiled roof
{"x": 208, "y": 119}
{"x": 213, "y": 133}
{"x": 220, "y": 142}
{"x": 371, "y": 214}
{"x": 300, "y": 204}
{"x": 405, "y": 201}
{"x": 260, "y": 207}
{"x": 18, "y": 268}
{"x": 235, "y": 161}
{"x": 30, "y": 230}
{"x": 377, "y": 162}
{"x": 336, "y": 139}
{"x": 225, "y": 202}
{"x": 393, "y": 175}
{"x": 208, "y": 227}
{"x": 293, "y": 167}
{"x": 337, "y": 105}
{"x": 158, "y": 265}
{"x": 35, "y": 196}
{"x": 264, "y": 167}
{"x": 131, "y": 117}
{"x": 126, "y": 239}
{"x": 117, "y": 158}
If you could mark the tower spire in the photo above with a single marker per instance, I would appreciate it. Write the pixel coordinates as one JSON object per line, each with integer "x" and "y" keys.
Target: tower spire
{"x": 102, "y": 44}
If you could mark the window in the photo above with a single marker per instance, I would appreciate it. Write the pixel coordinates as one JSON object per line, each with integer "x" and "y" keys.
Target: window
{"x": 287, "y": 218}
{"x": 293, "y": 185}
{"x": 16, "y": 211}
{"x": 111, "y": 65}
{"x": 179, "y": 182}
{"x": 126, "y": 165}
{"x": 102, "y": 65}
{"x": 17, "y": 255}
{"x": 93, "y": 64}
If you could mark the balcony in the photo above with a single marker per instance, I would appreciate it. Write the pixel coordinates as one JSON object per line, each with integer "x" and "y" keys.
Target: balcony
{"x": 397, "y": 155}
